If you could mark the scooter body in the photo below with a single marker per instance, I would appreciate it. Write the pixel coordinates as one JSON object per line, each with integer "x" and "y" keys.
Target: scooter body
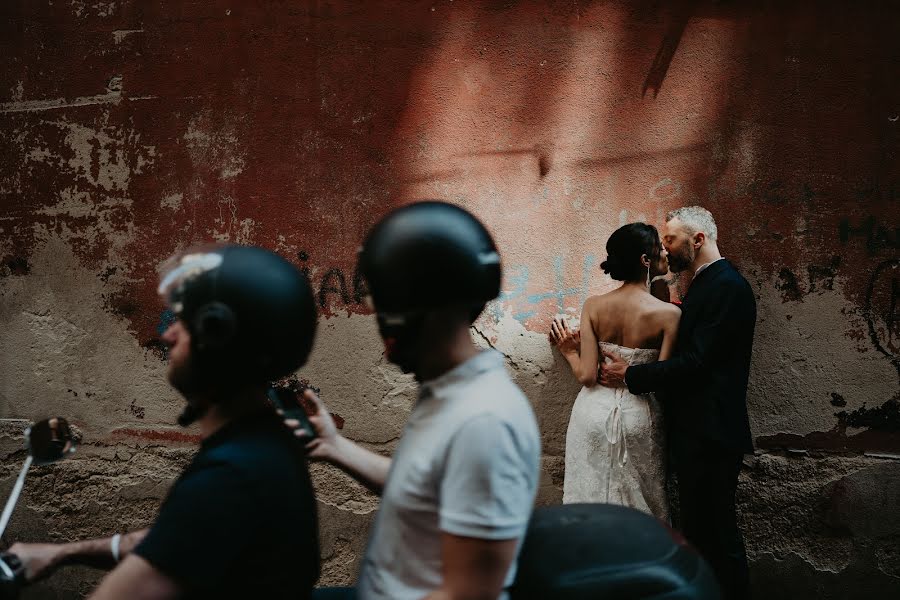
{"x": 608, "y": 552}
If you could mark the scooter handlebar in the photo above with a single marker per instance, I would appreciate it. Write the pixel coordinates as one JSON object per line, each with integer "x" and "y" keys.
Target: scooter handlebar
{"x": 12, "y": 576}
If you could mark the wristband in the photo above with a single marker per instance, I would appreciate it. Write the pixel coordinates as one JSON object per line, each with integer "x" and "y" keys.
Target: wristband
{"x": 114, "y": 545}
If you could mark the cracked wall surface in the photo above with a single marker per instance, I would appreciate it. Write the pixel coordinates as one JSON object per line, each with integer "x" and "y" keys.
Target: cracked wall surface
{"x": 130, "y": 130}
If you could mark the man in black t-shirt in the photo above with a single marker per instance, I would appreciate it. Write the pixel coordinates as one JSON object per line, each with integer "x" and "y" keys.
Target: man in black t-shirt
{"x": 240, "y": 522}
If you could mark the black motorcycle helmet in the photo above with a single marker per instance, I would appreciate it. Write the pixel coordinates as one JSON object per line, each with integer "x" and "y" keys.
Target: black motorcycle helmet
{"x": 430, "y": 255}
{"x": 425, "y": 257}
{"x": 250, "y": 313}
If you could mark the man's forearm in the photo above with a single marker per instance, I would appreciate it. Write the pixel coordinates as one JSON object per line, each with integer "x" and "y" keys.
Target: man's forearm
{"x": 367, "y": 467}
{"x": 646, "y": 378}
{"x": 440, "y": 594}
{"x": 98, "y": 553}
{"x": 652, "y": 377}
{"x": 445, "y": 594}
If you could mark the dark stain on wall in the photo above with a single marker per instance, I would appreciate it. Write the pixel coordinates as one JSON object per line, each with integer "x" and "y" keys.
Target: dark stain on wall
{"x": 135, "y": 410}
{"x": 14, "y": 265}
{"x": 835, "y": 441}
{"x": 883, "y": 418}
{"x": 877, "y": 236}
{"x": 108, "y": 272}
{"x": 881, "y": 310}
{"x": 880, "y": 425}
{"x": 821, "y": 277}
{"x": 789, "y": 286}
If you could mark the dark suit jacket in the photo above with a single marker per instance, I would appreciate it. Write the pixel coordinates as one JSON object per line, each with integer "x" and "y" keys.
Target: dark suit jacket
{"x": 705, "y": 380}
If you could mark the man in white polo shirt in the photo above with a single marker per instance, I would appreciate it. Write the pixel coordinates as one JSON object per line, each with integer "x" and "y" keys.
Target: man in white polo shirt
{"x": 459, "y": 490}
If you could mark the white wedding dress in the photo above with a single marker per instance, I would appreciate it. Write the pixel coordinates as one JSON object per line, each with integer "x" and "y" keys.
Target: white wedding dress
{"x": 615, "y": 445}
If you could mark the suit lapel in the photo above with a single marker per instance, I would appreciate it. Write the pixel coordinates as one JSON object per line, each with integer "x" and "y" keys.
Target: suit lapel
{"x": 694, "y": 300}
{"x": 706, "y": 276}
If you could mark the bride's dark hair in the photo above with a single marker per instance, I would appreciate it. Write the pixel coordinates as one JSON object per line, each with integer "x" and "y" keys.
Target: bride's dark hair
{"x": 626, "y": 246}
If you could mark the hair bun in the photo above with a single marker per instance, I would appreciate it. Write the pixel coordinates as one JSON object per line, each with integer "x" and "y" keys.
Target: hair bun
{"x": 605, "y": 265}
{"x": 613, "y": 268}
{"x": 626, "y": 248}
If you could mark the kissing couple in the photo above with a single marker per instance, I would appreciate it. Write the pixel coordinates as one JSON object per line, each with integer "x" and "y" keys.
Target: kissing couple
{"x": 665, "y": 381}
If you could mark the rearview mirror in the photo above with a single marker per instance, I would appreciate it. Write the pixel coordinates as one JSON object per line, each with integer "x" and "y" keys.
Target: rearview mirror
{"x": 49, "y": 440}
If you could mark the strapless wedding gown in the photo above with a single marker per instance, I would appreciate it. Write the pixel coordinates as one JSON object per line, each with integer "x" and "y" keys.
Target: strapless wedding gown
{"x": 615, "y": 445}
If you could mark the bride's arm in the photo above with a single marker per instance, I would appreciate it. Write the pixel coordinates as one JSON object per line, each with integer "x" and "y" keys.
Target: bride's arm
{"x": 590, "y": 352}
{"x": 671, "y": 318}
{"x": 582, "y": 359}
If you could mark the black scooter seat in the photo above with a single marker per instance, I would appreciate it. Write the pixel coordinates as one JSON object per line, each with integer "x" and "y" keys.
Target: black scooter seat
{"x": 603, "y": 552}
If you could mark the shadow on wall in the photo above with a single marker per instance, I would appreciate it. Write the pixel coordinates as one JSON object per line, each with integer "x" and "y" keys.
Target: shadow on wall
{"x": 864, "y": 507}
{"x": 537, "y": 118}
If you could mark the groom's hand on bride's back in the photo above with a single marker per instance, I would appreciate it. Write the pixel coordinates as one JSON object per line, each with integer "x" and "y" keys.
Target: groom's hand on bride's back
{"x": 612, "y": 370}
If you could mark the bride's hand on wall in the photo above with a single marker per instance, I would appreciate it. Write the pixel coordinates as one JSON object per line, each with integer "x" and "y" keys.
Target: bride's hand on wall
{"x": 563, "y": 337}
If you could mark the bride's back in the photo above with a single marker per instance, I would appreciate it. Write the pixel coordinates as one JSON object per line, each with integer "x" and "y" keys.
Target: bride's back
{"x": 629, "y": 317}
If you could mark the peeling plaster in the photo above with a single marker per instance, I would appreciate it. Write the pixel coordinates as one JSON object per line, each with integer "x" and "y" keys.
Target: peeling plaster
{"x": 347, "y": 364}
{"x": 113, "y": 97}
{"x": 172, "y": 201}
{"x": 214, "y": 146}
{"x": 800, "y": 358}
{"x": 99, "y": 159}
{"x": 121, "y": 34}
{"x": 102, "y": 158}
{"x": 65, "y": 353}
{"x": 77, "y": 204}
{"x": 18, "y": 92}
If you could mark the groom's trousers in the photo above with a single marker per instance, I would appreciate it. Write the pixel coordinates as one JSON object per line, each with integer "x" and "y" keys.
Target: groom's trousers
{"x": 707, "y": 481}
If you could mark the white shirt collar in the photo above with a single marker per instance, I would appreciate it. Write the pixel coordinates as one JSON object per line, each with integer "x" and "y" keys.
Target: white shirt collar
{"x": 701, "y": 267}
{"x": 486, "y": 360}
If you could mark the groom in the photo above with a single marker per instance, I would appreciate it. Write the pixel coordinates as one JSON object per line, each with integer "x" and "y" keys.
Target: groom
{"x": 706, "y": 392}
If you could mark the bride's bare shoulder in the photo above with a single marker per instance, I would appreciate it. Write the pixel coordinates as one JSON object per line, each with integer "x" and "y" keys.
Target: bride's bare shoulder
{"x": 598, "y": 300}
{"x": 667, "y": 311}
{"x": 669, "y": 307}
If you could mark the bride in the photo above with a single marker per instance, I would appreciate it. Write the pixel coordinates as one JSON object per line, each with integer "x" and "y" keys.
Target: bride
{"x": 615, "y": 444}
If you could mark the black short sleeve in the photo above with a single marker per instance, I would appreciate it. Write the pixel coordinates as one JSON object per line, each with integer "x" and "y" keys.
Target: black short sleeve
{"x": 203, "y": 527}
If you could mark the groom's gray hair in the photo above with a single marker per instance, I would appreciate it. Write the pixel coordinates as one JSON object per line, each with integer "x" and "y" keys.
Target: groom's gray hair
{"x": 696, "y": 219}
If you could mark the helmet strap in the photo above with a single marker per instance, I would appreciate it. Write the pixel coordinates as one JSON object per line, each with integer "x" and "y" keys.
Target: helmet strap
{"x": 190, "y": 414}
{"x": 400, "y": 334}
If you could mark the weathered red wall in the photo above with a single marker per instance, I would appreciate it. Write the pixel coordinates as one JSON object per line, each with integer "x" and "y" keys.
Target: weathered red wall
{"x": 131, "y": 129}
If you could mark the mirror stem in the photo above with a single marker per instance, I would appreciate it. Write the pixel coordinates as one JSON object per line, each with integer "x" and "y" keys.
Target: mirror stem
{"x": 14, "y": 496}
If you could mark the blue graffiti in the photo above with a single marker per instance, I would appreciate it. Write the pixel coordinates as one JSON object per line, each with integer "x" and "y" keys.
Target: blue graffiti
{"x": 589, "y": 261}
{"x": 518, "y": 279}
{"x": 522, "y": 303}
